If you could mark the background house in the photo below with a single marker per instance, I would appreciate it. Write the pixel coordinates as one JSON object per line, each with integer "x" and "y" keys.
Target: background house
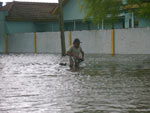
{"x": 40, "y": 17}
{"x": 26, "y": 17}
{"x": 73, "y": 19}
{"x": 22, "y": 17}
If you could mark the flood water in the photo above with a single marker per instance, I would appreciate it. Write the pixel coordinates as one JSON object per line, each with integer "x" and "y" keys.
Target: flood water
{"x": 32, "y": 83}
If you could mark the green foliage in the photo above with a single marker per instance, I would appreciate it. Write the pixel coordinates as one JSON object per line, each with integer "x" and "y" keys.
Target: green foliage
{"x": 145, "y": 11}
{"x": 143, "y": 8}
{"x": 132, "y": 2}
{"x": 99, "y": 10}
{"x": 109, "y": 10}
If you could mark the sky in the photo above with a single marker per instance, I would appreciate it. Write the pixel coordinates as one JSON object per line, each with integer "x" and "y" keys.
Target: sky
{"x": 30, "y": 0}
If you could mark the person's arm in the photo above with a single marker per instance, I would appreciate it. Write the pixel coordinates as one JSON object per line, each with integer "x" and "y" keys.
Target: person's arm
{"x": 82, "y": 52}
{"x": 69, "y": 52}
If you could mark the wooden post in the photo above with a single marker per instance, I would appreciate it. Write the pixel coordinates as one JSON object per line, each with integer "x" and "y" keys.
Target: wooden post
{"x": 35, "y": 48}
{"x": 6, "y": 47}
{"x": 113, "y": 42}
{"x": 63, "y": 47}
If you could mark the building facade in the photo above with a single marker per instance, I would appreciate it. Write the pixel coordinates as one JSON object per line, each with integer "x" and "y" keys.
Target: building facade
{"x": 22, "y": 17}
{"x": 73, "y": 19}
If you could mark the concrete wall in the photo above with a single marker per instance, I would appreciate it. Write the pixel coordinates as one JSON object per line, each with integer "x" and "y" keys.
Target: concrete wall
{"x": 48, "y": 42}
{"x": 21, "y": 43}
{"x": 127, "y": 41}
{"x": 94, "y": 41}
{"x": 132, "y": 41}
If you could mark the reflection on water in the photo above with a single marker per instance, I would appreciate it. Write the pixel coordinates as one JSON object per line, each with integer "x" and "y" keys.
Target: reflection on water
{"x": 37, "y": 84}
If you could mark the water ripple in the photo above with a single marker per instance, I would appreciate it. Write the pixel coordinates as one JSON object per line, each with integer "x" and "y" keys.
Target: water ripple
{"x": 36, "y": 83}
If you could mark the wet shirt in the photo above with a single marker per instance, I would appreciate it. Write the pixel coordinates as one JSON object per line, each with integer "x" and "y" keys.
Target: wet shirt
{"x": 75, "y": 51}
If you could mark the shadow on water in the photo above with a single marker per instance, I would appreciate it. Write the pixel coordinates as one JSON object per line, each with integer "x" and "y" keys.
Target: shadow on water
{"x": 36, "y": 83}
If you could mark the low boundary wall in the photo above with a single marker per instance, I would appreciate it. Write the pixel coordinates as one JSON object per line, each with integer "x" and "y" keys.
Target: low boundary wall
{"x": 120, "y": 41}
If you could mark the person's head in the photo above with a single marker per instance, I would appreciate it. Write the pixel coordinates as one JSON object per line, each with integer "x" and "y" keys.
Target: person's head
{"x": 76, "y": 43}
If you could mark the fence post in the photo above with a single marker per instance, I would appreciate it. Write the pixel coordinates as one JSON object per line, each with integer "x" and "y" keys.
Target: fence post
{"x": 70, "y": 40}
{"x": 35, "y": 48}
{"x": 6, "y": 47}
{"x": 113, "y": 42}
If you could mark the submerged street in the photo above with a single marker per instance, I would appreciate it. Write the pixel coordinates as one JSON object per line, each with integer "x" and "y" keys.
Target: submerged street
{"x": 36, "y": 83}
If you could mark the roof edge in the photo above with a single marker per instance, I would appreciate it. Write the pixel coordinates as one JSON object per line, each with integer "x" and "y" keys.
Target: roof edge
{"x": 55, "y": 10}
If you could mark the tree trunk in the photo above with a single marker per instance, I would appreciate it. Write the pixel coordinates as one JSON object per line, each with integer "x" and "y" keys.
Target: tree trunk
{"x": 62, "y": 36}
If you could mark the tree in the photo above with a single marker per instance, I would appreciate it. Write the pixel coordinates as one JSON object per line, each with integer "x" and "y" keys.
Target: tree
{"x": 145, "y": 11}
{"x": 109, "y": 10}
{"x": 141, "y": 8}
{"x": 101, "y": 10}
{"x": 63, "y": 47}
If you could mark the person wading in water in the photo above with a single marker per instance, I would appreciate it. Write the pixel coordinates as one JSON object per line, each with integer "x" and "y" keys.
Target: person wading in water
{"x": 76, "y": 54}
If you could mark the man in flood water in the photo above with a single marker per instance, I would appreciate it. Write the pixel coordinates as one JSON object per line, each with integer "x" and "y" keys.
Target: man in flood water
{"x": 76, "y": 54}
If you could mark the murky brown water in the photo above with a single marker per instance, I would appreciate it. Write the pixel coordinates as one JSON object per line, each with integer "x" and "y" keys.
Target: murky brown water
{"x": 37, "y": 84}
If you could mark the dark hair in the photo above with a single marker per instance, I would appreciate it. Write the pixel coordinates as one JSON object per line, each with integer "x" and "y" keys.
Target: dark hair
{"x": 76, "y": 41}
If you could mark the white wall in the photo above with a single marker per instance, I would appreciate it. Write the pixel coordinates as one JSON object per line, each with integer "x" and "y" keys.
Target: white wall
{"x": 132, "y": 41}
{"x": 20, "y": 43}
{"x": 94, "y": 41}
{"x": 48, "y": 42}
{"x": 127, "y": 41}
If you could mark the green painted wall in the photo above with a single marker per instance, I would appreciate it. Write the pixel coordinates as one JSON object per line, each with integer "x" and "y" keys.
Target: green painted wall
{"x": 72, "y": 11}
{"x": 2, "y": 30}
{"x": 22, "y": 27}
{"x": 46, "y": 26}
{"x": 19, "y": 27}
{"x": 144, "y": 23}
